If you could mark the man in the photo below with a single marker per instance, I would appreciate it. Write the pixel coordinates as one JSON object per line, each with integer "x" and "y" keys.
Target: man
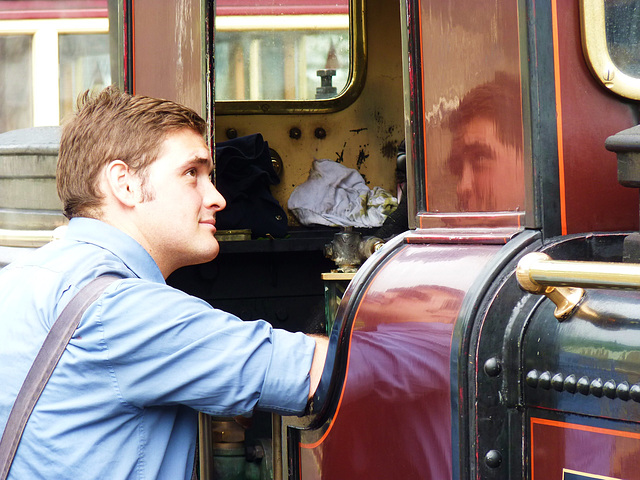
{"x": 486, "y": 153}
{"x": 134, "y": 179}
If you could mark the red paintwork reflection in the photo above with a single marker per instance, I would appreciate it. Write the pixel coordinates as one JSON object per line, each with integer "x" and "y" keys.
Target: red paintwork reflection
{"x": 394, "y": 419}
{"x": 592, "y": 451}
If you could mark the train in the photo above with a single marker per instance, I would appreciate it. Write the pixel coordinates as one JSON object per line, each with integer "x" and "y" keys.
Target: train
{"x": 488, "y": 326}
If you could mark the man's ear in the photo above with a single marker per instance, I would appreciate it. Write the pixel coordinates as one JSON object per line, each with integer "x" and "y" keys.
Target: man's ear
{"x": 122, "y": 183}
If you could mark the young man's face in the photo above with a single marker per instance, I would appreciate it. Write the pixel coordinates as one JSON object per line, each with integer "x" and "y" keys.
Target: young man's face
{"x": 492, "y": 176}
{"x": 176, "y": 211}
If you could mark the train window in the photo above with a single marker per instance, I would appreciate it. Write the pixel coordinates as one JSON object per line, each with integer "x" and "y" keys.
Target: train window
{"x": 84, "y": 65}
{"x": 611, "y": 42}
{"x": 16, "y": 98}
{"x": 277, "y": 56}
{"x": 50, "y": 51}
{"x": 622, "y": 24}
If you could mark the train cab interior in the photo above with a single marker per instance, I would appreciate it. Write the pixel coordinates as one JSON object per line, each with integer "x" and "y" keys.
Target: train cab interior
{"x": 325, "y": 105}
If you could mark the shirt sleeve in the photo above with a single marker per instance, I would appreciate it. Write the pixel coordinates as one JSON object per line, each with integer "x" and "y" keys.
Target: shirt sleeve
{"x": 162, "y": 347}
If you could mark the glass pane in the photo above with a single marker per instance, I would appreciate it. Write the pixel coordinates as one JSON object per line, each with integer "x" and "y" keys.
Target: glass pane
{"x": 281, "y": 49}
{"x": 474, "y": 135}
{"x": 84, "y": 65}
{"x": 15, "y": 96}
{"x": 50, "y": 50}
{"x": 622, "y": 23}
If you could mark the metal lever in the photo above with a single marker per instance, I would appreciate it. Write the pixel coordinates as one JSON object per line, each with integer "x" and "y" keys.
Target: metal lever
{"x": 562, "y": 281}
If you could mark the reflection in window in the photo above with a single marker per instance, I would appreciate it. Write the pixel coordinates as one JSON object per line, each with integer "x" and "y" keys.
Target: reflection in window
{"x": 84, "y": 65}
{"x": 15, "y": 82}
{"x": 622, "y": 23}
{"x": 281, "y": 49}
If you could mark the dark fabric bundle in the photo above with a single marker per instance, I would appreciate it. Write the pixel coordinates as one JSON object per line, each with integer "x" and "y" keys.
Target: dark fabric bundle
{"x": 244, "y": 173}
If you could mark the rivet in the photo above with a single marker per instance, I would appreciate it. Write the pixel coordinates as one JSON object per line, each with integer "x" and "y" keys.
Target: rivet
{"x": 634, "y": 392}
{"x": 557, "y": 382}
{"x": 545, "y": 380}
{"x": 295, "y": 133}
{"x": 583, "y": 385}
{"x": 595, "y": 388}
{"x": 532, "y": 378}
{"x": 492, "y": 367}
{"x": 493, "y": 459}
{"x": 622, "y": 391}
{"x": 570, "y": 383}
{"x": 609, "y": 389}
{"x": 320, "y": 133}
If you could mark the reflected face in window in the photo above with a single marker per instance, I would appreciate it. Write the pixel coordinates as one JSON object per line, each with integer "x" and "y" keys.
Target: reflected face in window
{"x": 490, "y": 171}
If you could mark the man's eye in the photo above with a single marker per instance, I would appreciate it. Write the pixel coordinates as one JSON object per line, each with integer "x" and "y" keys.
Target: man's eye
{"x": 192, "y": 172}
{"x": 481, "y": 162}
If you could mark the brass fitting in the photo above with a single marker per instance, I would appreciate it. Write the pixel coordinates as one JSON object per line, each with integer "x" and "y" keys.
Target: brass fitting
{"x": 566, "y": 298}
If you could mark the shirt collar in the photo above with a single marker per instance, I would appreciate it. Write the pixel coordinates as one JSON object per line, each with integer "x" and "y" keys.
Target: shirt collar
{"x": 103, "y": 235}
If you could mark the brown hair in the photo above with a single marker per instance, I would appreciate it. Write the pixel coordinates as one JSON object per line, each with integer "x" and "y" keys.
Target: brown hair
{"x": 112, "y": 125}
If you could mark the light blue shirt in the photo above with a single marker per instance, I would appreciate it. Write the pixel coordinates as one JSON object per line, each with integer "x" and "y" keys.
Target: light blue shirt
{"x": 122, "y": 402}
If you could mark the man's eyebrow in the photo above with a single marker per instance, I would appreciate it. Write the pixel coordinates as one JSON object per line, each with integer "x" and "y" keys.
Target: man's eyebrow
{"x": 475, "y": 150}
{"x": 199, "y": 160}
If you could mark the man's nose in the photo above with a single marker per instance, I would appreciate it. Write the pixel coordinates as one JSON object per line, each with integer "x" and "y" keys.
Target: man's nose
{"x": 465, "y": 184}
{"x": 213, "y": 198}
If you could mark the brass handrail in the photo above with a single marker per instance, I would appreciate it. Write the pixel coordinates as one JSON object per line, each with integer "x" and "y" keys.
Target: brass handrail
{"x": 537, "y": 269}
{"x": 563, "y": 281}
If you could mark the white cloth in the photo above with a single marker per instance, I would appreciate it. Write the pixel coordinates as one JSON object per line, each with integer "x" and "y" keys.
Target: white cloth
{"x": 336, "y": 195}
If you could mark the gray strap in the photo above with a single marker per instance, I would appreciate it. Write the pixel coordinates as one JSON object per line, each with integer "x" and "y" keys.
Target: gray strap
{"x": 43, "y": 366}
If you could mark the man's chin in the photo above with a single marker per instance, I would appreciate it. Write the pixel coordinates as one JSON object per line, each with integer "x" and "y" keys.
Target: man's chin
{"x": 205, "y": 257}
{"x": 215, "y": 250}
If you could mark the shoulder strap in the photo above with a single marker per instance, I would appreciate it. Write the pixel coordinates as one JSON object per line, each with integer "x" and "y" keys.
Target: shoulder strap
{"x": 43, "y": 366}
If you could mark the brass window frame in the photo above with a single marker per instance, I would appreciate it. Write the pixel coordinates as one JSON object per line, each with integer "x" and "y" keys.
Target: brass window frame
{"x": 353, "y": 88}
{"x": 596, "y": 52}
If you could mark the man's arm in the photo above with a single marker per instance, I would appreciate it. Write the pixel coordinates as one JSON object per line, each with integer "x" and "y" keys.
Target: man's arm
{"x": 317, "y": 365}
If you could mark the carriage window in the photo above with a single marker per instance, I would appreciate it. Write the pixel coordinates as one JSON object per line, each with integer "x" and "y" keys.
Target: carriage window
{"x": 270, "y": 53}
{"x": 50, "y": 51}
{"x": 15, "y": 96}
{"x": 611, "y": 42}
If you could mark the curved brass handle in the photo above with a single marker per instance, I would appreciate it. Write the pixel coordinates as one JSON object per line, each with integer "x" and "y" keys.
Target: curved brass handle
{"x": 534, "y": 277}
{"x": 562, "y": 281}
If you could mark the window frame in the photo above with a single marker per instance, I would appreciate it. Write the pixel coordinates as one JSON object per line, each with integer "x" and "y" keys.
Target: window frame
{"x": 596, "y": 52}
{"x": 45, "y": 35}
{"x": 353, "y": 88}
